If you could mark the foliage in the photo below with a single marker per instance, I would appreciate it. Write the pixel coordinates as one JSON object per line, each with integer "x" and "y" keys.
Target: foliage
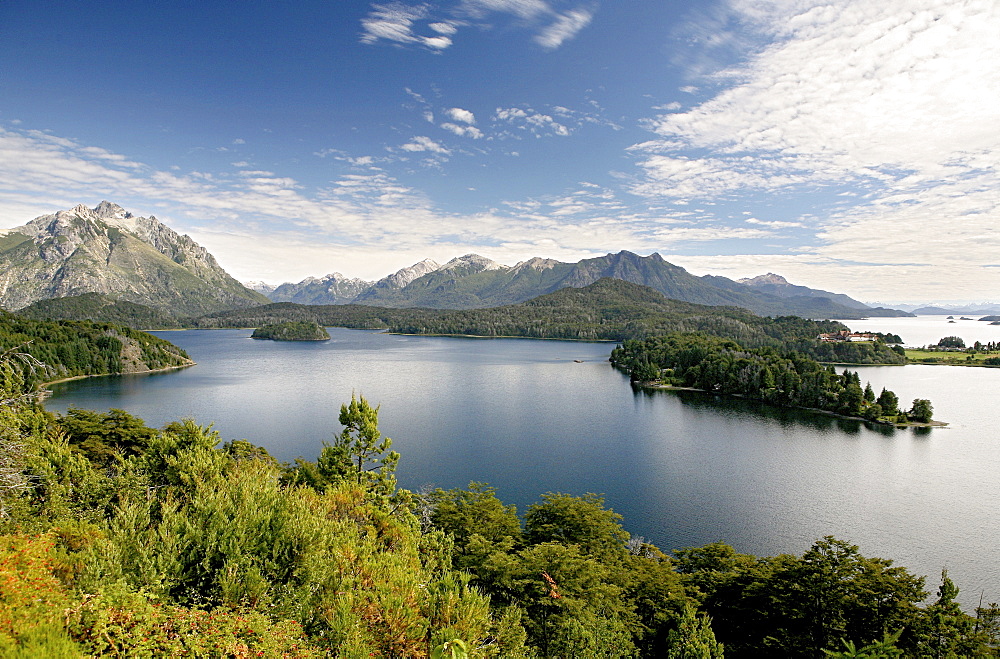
{"x": 133, "y": 541}
{"x": 922, "y": 410}
{"x": 354, "y": 316}
{"x": 951, "y": 342}
{"x": 693, "y": 638}
{"x": 784, "y": 378}
{"x": 66, "y": 348}
{"x": 609, "y": 309}
{"x": 798, "y": 606}
{"x": 291, "y": 331}
{"x": 884, "y": 649}
{"x": 96, "y": 307}
{"x": 359, "y": 454}
{"x": 946, "y": 631}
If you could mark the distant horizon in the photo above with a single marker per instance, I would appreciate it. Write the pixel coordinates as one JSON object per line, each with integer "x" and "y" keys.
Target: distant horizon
{"x": 914, "y": 304}
{"x": 443, "y": 262}
{"x": 850, "y": 148}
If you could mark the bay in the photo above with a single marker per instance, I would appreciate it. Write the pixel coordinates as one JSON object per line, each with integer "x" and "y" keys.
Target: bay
{"x": 928, "y": 330}
{"x": 683, "y": 468}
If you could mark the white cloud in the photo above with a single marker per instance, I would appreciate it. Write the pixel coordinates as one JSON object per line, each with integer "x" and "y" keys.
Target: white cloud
{"x": 566, "y": 26}
{"x": 403, "y": 23}
{"x": 444, "y": 28}
{"x": 463, "y": 131}
{"x": 508, "y": 114}
{"x": 464, "y": 116}
{"x": 895, "y": 100}
{"x": 264, "y": 225}
{"x": 526, "y": 9}
{"x": 775, "y": 224}
{"x": 534, "y": 122}
{"x": 396, "y": 22}
{"x": 439, "y": 43}
{"x": 423, "y": 143}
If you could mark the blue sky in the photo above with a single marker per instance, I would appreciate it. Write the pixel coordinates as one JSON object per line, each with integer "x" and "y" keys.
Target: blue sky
{"x": 846, "y": 145}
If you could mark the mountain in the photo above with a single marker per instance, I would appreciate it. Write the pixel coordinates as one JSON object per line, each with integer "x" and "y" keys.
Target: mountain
{"x": 474, "y": 282}
{"x": 108, "y": 250}
{"x": 454, "y": 285}
{"x": 334, "y": 288}
{"x": 968, "y": 310}
{"x": 260, "y": 286}
{"x": 779, "y": 286}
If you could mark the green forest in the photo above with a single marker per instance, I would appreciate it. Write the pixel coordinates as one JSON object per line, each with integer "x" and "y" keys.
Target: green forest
{"x": 100, "y": 308}
{"x": 124, "y": 540}
{"x": 44, "y": 351}
{"x": 291, "y": 331}
{"x": 607, "y": 310}
{"x": 787, "y": 378}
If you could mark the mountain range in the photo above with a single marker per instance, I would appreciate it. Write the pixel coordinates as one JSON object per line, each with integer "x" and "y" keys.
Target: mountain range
{"x": 108, "y": 250}
{"x": 473, "y": 281}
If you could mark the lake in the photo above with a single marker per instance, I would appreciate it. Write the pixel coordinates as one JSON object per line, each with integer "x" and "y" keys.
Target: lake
{"x": 683, "y": 468}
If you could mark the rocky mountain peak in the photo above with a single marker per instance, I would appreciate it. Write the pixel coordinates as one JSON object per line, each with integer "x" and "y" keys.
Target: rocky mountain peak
{"x": 473, "y": 262}
{"x": 404, "y": 276}
{"x": 261, "y": 287}
{"x": 108, "y": 250}
{"x": 769, "y": 278}
{"x": 109, "y": 211}
{"x": 537, "y": 263}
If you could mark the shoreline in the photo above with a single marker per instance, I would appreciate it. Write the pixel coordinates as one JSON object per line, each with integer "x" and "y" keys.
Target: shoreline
{"x": 44, "y": 392}
{"x": 495, "y": 336}
{"x": 909, "y": 424}
{"x": 966, "y": 364}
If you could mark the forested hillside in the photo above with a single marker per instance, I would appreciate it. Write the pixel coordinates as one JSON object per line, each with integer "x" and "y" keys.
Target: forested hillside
{"x": 607, "y": 310}
{"x": 354, "y": 316}
{"x": 51, "y": 350}
{"x": 100, "y": 308}
{"x": 125, "y": 540}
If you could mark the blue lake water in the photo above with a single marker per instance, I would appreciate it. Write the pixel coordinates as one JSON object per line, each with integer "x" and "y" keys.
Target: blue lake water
{"x": 683, "y": 468}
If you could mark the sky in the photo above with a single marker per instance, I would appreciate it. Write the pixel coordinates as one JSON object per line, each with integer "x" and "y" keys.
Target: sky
{"x": 847, "y": 145}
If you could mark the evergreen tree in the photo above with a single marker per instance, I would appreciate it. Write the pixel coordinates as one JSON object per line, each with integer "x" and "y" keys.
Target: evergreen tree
{"x": 693, "y": 638}
{"x": 889, "y": 402}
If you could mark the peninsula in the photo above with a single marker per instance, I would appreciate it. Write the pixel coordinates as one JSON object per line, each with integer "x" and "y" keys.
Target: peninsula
{"x": 783, "y": 378}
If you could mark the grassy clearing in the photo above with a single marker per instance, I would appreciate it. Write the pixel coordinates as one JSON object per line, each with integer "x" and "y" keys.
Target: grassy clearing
{"x": 958, "y": 358}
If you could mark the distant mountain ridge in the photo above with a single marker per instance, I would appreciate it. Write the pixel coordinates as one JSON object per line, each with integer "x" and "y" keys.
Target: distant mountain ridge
{"x": 778, "y": 285}
{"x": 110, "y": 251}
{"x": 473, "y": 281}
{"x": 970, "y": 310}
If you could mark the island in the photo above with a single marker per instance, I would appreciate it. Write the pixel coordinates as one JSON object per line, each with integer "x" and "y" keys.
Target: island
{"x": 291, "y": 331}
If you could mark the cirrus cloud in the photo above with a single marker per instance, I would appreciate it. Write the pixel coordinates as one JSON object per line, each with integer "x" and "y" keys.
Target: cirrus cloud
{"x": 403, "y": 24}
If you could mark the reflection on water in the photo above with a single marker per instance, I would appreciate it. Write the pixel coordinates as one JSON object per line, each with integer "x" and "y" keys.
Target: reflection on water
{"x": 684, "y": 468}
{"x": 755, "y": 410}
